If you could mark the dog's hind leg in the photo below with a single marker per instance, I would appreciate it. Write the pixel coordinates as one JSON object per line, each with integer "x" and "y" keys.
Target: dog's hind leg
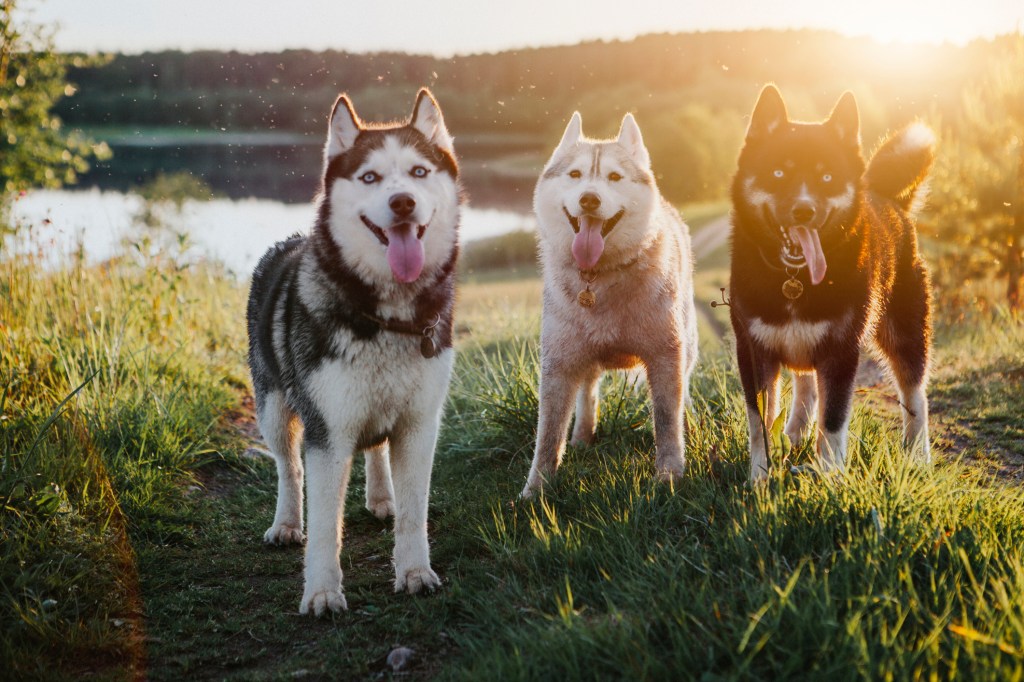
{"x": 556, "y": 393}
{"x": 904, "y": 337}
{"x": 587, "y": 402}
{"x": 690, "y": 354}
{"x": 329, "y": 466}
{"x": 805, "y": 405}
{"x": 282, "y": 431}
{"x": 380, "y": 491}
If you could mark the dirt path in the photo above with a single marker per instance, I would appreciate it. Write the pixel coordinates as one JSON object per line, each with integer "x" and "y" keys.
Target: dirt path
{"x": 705, "y": 242}
{"x": 711, "y": 237}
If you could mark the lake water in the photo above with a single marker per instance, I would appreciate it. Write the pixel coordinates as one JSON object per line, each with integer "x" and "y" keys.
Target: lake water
{"x": 235, "y": 232}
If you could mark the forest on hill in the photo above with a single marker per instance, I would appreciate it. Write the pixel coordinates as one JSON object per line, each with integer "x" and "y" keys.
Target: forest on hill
{"x": 253, "y": 124}
{"x": 690, "y": 92}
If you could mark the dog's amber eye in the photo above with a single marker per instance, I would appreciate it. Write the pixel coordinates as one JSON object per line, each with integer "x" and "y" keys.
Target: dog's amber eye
{"x": 827, "y": 177}
{"x": 778, "y": 173}
{"x": 419, "y": 172}
{"x": 369, "y": 177}
{"x": 575, "y": 174}
{"x": 614, "y": 177}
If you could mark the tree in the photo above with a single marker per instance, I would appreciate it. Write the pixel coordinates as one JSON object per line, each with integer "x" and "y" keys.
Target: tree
{"x": 981, "y": 174}
{"x": 35, "y": 151}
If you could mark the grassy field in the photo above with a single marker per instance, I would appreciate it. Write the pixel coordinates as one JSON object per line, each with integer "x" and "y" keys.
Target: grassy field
{"x": 133, "y": 512}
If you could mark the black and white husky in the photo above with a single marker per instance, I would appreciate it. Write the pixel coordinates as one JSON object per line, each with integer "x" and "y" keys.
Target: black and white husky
{"x": 350, "y": 341}
{"x": 618, "y": 293}
{"x": 825, "y": 262}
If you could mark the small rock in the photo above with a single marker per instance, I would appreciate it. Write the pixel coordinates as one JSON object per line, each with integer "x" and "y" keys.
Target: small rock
{"x": 400, "y": 657}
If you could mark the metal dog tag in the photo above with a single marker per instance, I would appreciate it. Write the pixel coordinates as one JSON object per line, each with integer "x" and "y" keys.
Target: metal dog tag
{"x": 427, "y": 347}
{"x": 792, "y": 288}
{"x": 586, "y": 298}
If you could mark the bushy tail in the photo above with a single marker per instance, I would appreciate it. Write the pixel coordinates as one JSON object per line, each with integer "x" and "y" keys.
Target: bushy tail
{"x": 898, "y": 170}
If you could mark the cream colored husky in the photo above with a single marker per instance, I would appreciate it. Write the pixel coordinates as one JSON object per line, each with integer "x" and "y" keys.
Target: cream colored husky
{"x": 618, "y": 293}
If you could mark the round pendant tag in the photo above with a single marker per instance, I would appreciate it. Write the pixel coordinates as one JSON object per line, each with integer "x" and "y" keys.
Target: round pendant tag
{"x": 427, "y": 348}
{"x": 586, "y": 298}
{"x": 792, "y": 288}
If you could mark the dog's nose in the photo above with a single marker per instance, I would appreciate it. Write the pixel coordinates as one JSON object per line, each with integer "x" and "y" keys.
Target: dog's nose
{"x": 803, "y": 212}
{"x": 402, "y": 204}
{"x": 590, "y": 202}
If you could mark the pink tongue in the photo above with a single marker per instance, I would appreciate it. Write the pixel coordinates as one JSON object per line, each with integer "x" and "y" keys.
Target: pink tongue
{"x": 405, "y": 253}
{"x": 811, "y": 246}
{"x": 588, "y": 245}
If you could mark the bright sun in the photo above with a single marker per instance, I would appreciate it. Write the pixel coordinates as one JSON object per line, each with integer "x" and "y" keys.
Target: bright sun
{"x": 905, "y": 24}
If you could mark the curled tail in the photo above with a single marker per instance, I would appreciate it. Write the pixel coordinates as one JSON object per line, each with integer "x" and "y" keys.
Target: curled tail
{"x": 898, "y": 170}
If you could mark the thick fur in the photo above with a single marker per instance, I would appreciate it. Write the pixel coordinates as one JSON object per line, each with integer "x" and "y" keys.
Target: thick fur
{"x": 875, "y": 289}
{"x": 326, "y": 373}
{"x": 644, "y": 312}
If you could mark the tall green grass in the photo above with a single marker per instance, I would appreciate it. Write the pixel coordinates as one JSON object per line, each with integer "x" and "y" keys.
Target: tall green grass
{"x": 113, "y": 380}
{"x": 889, "y": 571}
{"x": 117, "y": 383}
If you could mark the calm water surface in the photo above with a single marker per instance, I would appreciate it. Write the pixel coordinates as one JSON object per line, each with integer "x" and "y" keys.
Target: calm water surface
{"x": 235, "y": 232}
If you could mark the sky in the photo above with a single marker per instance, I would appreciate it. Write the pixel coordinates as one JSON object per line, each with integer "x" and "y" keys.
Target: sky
{"x": 449, "y": 27}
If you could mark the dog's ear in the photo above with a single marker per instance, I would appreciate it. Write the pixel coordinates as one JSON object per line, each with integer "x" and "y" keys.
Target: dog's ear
{"x": 769, "y": 113}
{"x": 427, "y": 118}
{"x": 845, "y": 120}
{"x": 572, "y": 135}
{"x": 343, "y": 129}
{"x": 633, "y": 141}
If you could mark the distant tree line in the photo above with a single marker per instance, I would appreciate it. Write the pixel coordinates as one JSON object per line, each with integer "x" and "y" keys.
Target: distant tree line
{"x": 690, "y": 92}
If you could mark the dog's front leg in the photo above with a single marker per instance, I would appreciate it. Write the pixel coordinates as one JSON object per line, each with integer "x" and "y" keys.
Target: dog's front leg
{"x": 835, "y": 377}
{"x": 412, "y": 456}
{"x": 759, "y": 374}
{"x": 556, "y": 398}
{"x": 665, "y": 376}
{"x": 327, "y": 472}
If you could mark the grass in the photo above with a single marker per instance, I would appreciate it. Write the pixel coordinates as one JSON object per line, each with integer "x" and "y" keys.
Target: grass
{"x": 131, "y": 520}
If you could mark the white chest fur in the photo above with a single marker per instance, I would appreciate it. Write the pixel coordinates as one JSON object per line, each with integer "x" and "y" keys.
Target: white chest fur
{"x": 795, "y": 341}
{"x": 381, "y": 382}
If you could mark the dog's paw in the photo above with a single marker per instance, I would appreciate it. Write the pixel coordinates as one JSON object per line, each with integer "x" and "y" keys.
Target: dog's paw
{"x": 812, "y": 471}
{"x": 322, "y": 602}
{"x": 283, "y": 534}
{"x": 417, "y": 579}
{"x": 530, "y": 490}
{"x": 671, "y": 471}
{"x": 582, "y": 438}
{"x": 758, "y": 477}
{"x": 382, "y": 509}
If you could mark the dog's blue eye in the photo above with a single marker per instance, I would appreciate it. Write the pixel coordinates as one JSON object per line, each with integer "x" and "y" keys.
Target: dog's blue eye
{"x": 614, "y": 177}
{"x": 575, "y": 174}
{"x": 827, "y": 177}
{"x": 369, "y": 177}
{"x": 778, "y": 173}
{"x": 419, "y": 172}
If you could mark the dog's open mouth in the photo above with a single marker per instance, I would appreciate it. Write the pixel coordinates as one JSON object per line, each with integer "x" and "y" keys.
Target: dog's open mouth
{"x": 588, "y": 244}
{"x": 404, "y": 248}
{"x": 801, "y": 247}
{"x": 381, "y": 233}
{"x": 607, "y": 227}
